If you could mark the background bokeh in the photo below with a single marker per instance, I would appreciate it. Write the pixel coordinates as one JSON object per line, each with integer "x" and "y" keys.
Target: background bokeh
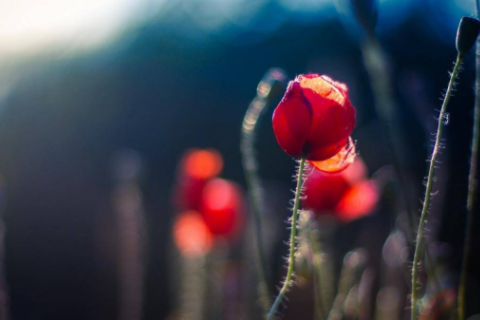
{"x": 81, "y": 80}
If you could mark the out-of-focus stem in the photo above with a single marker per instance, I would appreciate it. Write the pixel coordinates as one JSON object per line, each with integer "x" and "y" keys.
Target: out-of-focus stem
{"x": 316, "y": 260}
{"x": 293, "y": 240}
{"x": 265, "y": 93}
{"x": 472, "y": 184}
{"x": 131, "y": 227}
{"x": 428, "y": 191}
{"x": 377, "y": 68}
{"x": 348, "y": 276}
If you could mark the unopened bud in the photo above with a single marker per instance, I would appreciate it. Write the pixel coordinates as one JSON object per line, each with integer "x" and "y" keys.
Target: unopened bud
{"x": 467, "y": 34}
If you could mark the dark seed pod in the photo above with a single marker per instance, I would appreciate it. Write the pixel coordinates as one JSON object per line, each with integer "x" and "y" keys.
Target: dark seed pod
{"x": 467, "y": 34}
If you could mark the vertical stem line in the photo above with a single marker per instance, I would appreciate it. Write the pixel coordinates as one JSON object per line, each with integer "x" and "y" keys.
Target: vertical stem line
{"x": 255, "y": 192}
{"x": 265, "y": 93}
{"x": 472, "y": 184}
{"x": 316, "y": 258}
{"x": 293, "y": 239}
{"x": 428, "y": 191}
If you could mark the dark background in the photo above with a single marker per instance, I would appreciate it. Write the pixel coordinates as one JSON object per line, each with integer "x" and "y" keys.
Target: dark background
{"x": 170, "y": 84}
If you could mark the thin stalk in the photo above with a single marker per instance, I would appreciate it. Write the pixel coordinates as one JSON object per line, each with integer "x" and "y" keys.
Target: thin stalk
{"x": 255, "y": 193}
{"x": 293, "y": 239}
{"x": 265, "y": 94}
{"x": 316, "y": 258}
{"x": 353, "y": 263}
{"x": 377, "y": 68}
{"x": 428, "y": 191}
{"x": 472, "y": 184}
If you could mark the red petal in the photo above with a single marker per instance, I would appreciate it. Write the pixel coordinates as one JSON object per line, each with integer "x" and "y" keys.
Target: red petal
{"x": 339, "y": 161}
{"x": 333, "y": 117}
{"x": 358, "y": 201}
{"x": 291, "y": 122}
{"x": 323, "y": 191}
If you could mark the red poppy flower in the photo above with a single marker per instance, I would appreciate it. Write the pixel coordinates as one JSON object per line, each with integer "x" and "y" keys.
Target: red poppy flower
{"x": 196, "y": 169}
{"x": 347, "y": 195}
{"x": 314, "y": 120}
{"x": 221, "y": 207}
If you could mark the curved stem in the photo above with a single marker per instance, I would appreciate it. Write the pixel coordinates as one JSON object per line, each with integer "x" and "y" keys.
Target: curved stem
{"x": 472, "y": 186}
{"x": 255, "y": 192}
{"x": 265, "y": 93}
{"x": 428, "y": 191}
{"x": 293, "y": 239}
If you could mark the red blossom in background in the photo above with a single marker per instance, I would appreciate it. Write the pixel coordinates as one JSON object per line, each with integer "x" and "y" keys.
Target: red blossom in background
{"x": 221, "y": 207}
{"x": 347, "y": 195}
{"x": 196, "y": 169}
{"x": 191, "y": 234}
{"x": 211, "y": 207}
{"x": 440, "y": 306}
{"x": 314, "y": 120}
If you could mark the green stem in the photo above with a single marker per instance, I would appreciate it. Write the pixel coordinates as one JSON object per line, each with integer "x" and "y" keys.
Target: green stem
{"x": 428, "y": 191}
{"x": 472, "y": 186}
{"x": 293, "y": 239}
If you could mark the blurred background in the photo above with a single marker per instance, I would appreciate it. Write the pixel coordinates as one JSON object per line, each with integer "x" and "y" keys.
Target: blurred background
{"x": 80, "y": 81}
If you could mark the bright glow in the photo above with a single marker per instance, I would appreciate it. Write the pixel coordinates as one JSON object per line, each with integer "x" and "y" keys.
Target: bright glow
{"x": 203, "y": 164}
{"x": 338, "y": 162}
{"x": 358, "y": 201}
{"x": 191, "y": 235}
{"x": 28, "y": 26}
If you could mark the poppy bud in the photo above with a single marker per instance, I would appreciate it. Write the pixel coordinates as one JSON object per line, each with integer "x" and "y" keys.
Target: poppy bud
{"x": 314, "y": 119}
{"x": 467, "y": 34}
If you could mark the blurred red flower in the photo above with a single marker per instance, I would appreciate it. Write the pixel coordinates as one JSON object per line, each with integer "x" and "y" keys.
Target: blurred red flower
{"x": 191, "y": 235}
{"x": 197, "y": 167}
{"x": 347, "y": 195}
{"x": 218, "y": 202}
{"x": 221, "y": 207}
{"x": 439, "y": 306}
{"x": 314, "y": 120}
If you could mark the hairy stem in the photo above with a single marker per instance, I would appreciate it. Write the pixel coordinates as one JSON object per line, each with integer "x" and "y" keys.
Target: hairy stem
{"x": 428, "y": 191}
{"x": 293, "y": 240}
{"x": 472, "y": 184}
